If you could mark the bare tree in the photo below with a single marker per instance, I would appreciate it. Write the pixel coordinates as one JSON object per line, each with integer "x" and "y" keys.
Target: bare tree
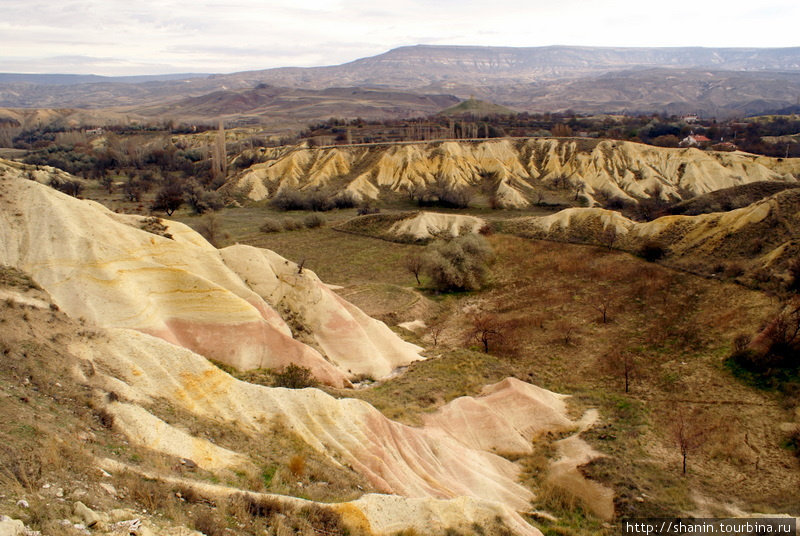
{"x": 414, "y": 264}
{"x": 579, "y": 188}
{"x": 609, "y": 236}
{"x": 621, "y": 363}
{"x": 107, "y": 181}
{"x": 690, "y": 431}
{"x": 133, "y": 190}
{"x": 219, "y": 153}
{"x": 485, "y": 328}
{"x": 435, "y": 330}
{"x": 169, "y": 198}
{"x": 603, "y": 303}
{"x": 566, "y": 329}
{"x": 561, "y": 130}
{"x": 211, "y": 229}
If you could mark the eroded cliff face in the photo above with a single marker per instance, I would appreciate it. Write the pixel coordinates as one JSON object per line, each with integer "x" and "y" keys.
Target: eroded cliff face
{"x": 223, "y": 304}
{"x": 514, "y": 170}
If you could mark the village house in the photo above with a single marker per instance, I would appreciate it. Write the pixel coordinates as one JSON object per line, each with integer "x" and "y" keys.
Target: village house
{"x": 695, "y": 140}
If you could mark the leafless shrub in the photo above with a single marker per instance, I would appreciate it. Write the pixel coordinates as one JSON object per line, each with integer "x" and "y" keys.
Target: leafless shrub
{"x": 366, "y": 208}
{"x": 485, "y": 328}
{"x": 690, "y": 431}
{"x": 21, "y": 468}
{"x": 256, "y": 506}
{"x": 150, "y": 494}
{"x": 652, "y": 251}
{"x": 620, "y": 363}
{"x": 105, "y": 418}
{"x": 312, "y": 221}
{"x": 294, "y": 377}
{"x": 323, "y": 520}
{"x": 292, "y": 224}
{"x": 555, "y": 498}
{"x": 200, "y": 199}
{"x": 733, "y": 270}
{"x": 740, "y": 342}
{"x": 209, "y": 523}
{"x": 297, "y": 465}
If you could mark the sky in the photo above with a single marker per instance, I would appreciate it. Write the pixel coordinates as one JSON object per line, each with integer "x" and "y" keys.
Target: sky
{"x": 112, "y": 38}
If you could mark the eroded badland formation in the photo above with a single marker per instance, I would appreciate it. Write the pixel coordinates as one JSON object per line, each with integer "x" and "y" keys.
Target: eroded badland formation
{"x": 510, "y": 336}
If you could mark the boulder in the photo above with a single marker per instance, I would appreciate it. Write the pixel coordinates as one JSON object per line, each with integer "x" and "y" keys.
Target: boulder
{"x": 11, "y": 527}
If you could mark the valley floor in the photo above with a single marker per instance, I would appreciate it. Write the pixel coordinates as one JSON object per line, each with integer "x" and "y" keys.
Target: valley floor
{"x": 677, "y": 329}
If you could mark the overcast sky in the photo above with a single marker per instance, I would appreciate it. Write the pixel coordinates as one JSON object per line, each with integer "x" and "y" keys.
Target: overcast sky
{"x": 111, "y": 37}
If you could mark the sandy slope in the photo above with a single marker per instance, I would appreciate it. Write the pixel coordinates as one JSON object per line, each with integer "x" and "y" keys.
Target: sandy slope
{"x": 102, "y": 267}
{"x": 425, "y": 225}
{"x": 609, "y": 168}
{"x": 340, "y": 329}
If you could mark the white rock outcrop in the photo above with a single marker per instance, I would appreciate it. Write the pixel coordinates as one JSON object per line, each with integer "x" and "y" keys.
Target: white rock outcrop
{"x": 103, "y": 267}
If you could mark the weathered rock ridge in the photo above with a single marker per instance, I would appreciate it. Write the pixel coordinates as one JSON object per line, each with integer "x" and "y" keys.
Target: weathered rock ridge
{"x": 514, "y": 170}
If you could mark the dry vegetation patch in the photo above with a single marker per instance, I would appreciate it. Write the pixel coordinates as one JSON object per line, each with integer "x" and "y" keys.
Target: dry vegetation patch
{"x": 678, "y": 329}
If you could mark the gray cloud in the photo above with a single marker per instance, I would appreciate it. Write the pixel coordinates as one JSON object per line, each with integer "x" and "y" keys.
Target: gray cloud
{"x": 256, "y": 34}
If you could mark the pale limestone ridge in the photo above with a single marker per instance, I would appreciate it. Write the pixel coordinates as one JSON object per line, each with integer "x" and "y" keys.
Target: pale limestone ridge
{"x": 143, "y": 428}
{"x": 339, "y": 328}
{"x": 377, "y": 514}
{"x": 102, "y": 267}
{"x": 510, "y": 416}
{"x": 426, "y": 225}
{"x": 163, "y": 306}
{"x": 506, "y": 418}
{"x": 761, "y": 235}
{"x": 517, "y": 167}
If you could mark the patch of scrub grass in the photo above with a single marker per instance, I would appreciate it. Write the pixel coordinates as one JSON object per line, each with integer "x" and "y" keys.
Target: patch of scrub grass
{"x": 272, "y": 450}
{"x": 643, "y": 487}
{"x": 783, "y": 380}
{"x": 11, "y": 277}
{"x": 427, "y": 385}
{"x": 571, "y": 521}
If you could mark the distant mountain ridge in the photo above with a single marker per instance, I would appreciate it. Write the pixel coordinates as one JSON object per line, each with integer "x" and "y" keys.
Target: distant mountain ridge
{"x": 719, "y": 82}
{"x": 435, "y": 63}
{"x": 73, "y": 79}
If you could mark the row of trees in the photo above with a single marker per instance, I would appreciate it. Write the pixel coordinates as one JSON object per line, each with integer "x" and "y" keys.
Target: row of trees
{"x": 655, "y": 129}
